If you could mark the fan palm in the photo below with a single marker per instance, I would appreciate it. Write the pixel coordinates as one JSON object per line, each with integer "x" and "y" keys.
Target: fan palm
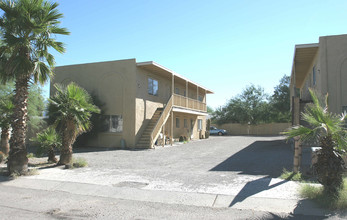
{"x": 28, "y": 28}
{"x": 70, "y": 109}
{"x": 6, "y": 109}
{"x": 48, "y": 141}
{"x": 326, "y": 130}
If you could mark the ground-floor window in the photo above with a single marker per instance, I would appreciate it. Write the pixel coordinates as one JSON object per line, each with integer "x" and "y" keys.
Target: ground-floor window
{"x": 177, "y": 122}
{"x": 199, "y": 124}
{"x": 111, "y": 123}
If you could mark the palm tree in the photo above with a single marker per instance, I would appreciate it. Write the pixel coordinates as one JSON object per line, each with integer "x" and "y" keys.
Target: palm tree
{"x": 70, "y": 109}
{"x": 325, "y": 130}
{"x": 6, "y": 109}
{"x": 48, "y": 140}
{"x": 28, "y": 29}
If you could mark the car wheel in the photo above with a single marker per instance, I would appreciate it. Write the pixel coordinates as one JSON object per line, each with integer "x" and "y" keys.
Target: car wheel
{"x": 220, "y": 133}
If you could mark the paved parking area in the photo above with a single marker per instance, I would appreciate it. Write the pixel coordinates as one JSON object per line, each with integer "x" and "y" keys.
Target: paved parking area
{"x": 219, "y": 165}
{"x": 236, "y": 172}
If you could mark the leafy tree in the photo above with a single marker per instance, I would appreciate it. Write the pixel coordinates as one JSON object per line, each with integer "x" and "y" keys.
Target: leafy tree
{"x": 280, "y": 101}
{"x": 254, "y": 106}
{"x": 326, "y": 130}
{"x": 71, "y": 108}
{"x": 209, "y": 110}
{"x": 28, "y": 29}
{"x": 6, "y": 109}
{"x": 248, "y": 107}
{"x": 48, "y": 140}
{"x": 35, "y": 106}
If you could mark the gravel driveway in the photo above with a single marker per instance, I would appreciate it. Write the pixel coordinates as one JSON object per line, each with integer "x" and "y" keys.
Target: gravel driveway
{"x": 220, "y": 165}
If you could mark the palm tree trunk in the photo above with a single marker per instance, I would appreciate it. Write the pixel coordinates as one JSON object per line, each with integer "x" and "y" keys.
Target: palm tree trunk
{"x": 68, "y": 137}
{"x": 5, "y": 137}
{"x": 18, "y": 161}
{"x": 51, "y": 156}
{"x": 297, "y": 155}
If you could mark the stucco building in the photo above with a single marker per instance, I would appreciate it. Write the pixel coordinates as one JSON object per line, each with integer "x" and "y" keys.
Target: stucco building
{"x": 141, "y": 101}
{"x": 323, "y": 67}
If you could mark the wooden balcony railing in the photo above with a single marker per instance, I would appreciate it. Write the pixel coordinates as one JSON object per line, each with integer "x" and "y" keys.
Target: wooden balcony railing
{"x": 161, "y": 121}
{"x": 193, "y": 104}
{"x": 179, "y": 101}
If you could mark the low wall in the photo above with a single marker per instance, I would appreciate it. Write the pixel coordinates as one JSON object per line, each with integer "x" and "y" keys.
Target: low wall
{"x": 261, "y": 129}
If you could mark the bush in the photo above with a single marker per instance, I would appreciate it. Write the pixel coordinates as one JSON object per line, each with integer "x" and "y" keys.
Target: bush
{"x": 30, "y": 155}
{"x": 289, "y": 175}
{"x": 317, "y": 194}
{"x": 79, "y": 162}
{"x": 181, "y": 139}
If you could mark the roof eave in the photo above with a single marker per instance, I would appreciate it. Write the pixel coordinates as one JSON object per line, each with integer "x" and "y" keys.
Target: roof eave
{"x": 208, "y": 91}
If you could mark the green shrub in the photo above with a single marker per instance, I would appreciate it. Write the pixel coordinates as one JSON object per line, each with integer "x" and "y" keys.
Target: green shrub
{"x": 30, "y": 155}
{"x": 79, "y": 162}
{"x": 181, "y": 139}
{"x": 290, "y": 175}
{"x": 317, "y": 194}
{"x": 48, "y": 140}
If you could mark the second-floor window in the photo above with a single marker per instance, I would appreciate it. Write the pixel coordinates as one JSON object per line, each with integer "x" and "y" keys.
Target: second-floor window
{"x": 200, "y": 98}
{"x": 314, "y": 75}
{"x": 177, "y": 91}
{"x": 152, "y": 86}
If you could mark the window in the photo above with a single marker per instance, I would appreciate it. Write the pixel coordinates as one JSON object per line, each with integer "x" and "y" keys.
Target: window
{"x": 200, "y": 98}
{"x": 184, "y": 93}
{"x": 199, "y": 124}
{"x": 177, "y": 91}
{"x": 177, "y": 122}
{"x": 314, "y": 75}
{"x": 111, "y": 123}
{"x": 185, "y": 123}
{"x": 152, "y": 86}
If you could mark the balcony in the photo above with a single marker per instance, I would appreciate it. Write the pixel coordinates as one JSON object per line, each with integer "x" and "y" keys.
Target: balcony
{"x": 188, "y": 103}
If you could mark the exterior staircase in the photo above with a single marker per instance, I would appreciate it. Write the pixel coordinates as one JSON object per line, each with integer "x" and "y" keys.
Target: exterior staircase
{"x": 145, "y": 140}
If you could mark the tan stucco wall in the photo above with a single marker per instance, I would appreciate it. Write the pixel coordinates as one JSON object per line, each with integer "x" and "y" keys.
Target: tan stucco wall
{"x": 331, "y": 72}
{"x": 262, "y": 129}
{"x": 113, "y": 83}
{"x": 192, "y": 126}
{"x": 333, "y": 67}
{"x": 147, "y": 104}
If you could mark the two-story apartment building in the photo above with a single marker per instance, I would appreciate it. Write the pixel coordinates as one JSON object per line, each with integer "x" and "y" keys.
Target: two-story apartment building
{"x": 140, "y": 101}
{"x": 323, "y": 67}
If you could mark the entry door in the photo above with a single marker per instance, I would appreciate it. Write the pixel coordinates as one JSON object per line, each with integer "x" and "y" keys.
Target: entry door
{"x": 191, "y": 128}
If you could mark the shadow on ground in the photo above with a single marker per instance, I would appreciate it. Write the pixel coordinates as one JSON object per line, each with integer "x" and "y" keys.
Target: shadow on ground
{"x": 264, "y": 158}
{"x": 254, "y": 187}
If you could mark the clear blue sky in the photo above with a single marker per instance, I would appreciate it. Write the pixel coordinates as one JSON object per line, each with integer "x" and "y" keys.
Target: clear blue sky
{"x": 222, "y": 45}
